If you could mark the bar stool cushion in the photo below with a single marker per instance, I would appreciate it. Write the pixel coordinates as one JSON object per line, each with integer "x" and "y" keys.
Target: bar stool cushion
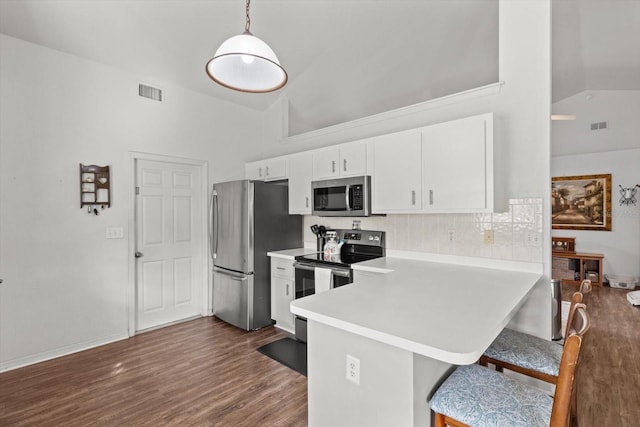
{"x": 480, "y": 397}
{"x": 526, "y": 350}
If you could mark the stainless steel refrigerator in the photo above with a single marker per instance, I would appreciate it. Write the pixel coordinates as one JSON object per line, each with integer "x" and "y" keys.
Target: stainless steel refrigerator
{"x": 248, "y": 219}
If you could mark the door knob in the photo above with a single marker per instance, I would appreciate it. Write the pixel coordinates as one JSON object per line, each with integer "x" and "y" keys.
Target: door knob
{"x": 139, "y": 254}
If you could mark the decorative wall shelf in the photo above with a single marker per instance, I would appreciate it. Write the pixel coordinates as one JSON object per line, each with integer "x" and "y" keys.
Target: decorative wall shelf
{"x": 95, "y": 187}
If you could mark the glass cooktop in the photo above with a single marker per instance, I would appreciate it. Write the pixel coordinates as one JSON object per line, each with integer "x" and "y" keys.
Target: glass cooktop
{"x": 344, "y": 259}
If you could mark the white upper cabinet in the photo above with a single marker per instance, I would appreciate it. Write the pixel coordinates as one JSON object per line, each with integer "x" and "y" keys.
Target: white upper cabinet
{"x": 300, "y": 175}
{"x": 397, "y": 173}
{"x": 267, "y": 170}
{"x": 341, "y": 161}
{"x": 443, "y": 168}
{"x": 457, "y": 165}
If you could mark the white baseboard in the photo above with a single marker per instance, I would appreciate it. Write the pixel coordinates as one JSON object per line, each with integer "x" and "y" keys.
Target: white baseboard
{"x": 59, "y": 352}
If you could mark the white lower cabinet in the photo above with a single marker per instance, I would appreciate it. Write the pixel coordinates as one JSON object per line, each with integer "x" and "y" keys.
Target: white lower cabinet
{"x": 282, "y": 293}
{"x": 397, "y": 173}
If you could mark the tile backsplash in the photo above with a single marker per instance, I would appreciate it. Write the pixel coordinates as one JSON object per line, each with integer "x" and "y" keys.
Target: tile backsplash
{"x": 517, "y": 233}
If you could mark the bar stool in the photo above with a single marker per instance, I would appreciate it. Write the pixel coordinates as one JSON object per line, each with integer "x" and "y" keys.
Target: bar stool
{"x": 530, "y": 355}
{"x": 477, "y": 396}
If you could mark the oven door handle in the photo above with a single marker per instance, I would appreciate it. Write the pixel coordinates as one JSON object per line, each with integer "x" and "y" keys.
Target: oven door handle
{"x": 310, "y": 267}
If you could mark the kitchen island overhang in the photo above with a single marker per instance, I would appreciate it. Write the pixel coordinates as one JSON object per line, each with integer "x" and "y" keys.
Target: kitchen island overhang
{"x": 408, "y": 328}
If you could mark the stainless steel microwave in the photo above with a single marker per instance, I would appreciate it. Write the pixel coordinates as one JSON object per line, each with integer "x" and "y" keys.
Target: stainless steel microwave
{"x": 342, "y": 197}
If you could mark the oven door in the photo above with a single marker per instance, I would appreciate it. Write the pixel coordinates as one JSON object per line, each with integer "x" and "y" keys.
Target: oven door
{"x": 305, "y": 286}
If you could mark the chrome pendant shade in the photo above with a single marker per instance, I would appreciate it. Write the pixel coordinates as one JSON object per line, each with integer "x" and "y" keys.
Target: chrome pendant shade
{"x": 247, "y": 64}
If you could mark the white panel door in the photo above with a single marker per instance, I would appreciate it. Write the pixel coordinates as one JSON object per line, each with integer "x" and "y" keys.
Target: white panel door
{"x": 168, "y": 243}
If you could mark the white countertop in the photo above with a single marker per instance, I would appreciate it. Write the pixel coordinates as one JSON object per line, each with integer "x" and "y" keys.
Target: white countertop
{"x": 292, "y": 253}
{"x": 441, "y": 310}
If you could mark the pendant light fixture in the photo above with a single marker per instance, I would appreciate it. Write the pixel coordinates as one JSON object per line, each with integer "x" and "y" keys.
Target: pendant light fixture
{"x": 247, "y": 64}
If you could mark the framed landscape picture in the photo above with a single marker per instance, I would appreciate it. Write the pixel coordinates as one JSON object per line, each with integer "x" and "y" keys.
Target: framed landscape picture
{"x": 581, "y": 202}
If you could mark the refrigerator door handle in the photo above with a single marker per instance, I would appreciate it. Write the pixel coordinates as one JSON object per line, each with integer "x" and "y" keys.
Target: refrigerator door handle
{"x": 236, "y": 276}
{"x": 211, "y": 224}
{"x": 215, "y": 224}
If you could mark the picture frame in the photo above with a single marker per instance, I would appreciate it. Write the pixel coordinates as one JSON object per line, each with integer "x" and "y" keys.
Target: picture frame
{"x": 581, "y": 202}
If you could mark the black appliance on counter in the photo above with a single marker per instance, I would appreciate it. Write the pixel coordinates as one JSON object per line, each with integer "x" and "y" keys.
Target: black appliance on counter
{"x": 359, "y": 246}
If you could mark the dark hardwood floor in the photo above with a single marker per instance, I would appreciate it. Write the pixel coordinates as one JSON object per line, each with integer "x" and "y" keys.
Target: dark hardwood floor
{"x": 608, "y": 377}
{"x": 203, "y": 372}
{"x": 207, "y": 373}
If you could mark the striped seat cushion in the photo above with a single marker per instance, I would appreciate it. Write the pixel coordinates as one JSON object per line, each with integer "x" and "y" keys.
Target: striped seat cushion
{"x": 527, "y": 351}
{"x": 481, "y": 397}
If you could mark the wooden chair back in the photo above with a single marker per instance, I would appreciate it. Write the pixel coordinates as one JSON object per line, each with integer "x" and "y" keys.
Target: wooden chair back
{"x": 585, "y": 290}
{"x": 560, "y": 410}
{"x": 580, "y": 321}
{"x": 576, "y": 298}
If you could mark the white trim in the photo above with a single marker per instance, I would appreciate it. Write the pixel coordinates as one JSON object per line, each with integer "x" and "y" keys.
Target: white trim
{"x": 206, "y": 308}
{"x": 59, "y": 352}
{"x": 466, "y": 95}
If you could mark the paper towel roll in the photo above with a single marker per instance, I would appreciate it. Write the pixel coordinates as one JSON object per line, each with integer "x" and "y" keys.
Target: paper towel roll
{"x": 322, "y": 278}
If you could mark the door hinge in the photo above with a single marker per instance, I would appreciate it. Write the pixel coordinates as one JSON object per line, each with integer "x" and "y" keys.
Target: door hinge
{"x": 137, "y": 190}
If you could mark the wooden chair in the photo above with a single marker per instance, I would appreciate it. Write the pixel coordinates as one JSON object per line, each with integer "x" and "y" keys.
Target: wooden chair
{"x": 530, "y": 355}
{"x": 585, "y": 290}
{"x": 477, "y": 396}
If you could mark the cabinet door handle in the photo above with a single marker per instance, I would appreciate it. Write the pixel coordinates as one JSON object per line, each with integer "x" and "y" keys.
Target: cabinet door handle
{"x": 287, "y": 289}
{"x": 260, "y": 171}
{"x": 431, "y": 197}
{"x": 333, "y": 165}
{"x": 413, "y": 197}
{"x": 267, "y": 172}
{"x": 344, "y": 165}
{"x": 138, "y": 254}
{"x": 307, "y": 201}
{"x": 280, "y": 268}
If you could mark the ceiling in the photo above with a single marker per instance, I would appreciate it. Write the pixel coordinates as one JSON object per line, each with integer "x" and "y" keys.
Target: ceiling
{"x": 346, "y": 59}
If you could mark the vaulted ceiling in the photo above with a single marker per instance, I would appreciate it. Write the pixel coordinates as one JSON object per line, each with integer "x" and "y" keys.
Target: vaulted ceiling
{"x": 346, "y": 59}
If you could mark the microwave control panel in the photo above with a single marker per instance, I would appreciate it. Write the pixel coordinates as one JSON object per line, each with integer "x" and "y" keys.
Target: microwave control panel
{"x": 357, "y": 202}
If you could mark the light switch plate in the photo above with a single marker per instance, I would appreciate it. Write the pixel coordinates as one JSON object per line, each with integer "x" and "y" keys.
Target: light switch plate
{"x": 114, "y": 233}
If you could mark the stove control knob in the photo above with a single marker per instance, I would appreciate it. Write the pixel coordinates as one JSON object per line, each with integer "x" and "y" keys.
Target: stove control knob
{"x": 376, "y": 238}
{"x": 370, "y": 237}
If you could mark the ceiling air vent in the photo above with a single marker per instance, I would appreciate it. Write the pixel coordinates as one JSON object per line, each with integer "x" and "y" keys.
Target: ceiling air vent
{"x": 598, "y": 125}
{"x": 150, "y": 92}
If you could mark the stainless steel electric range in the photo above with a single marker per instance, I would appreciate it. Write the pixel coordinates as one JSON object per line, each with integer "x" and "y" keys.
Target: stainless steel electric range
{"x": 358, "y": 246}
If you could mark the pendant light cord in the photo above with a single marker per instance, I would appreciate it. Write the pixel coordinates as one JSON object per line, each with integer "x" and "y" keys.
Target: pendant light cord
{"x": 248, "y": 23}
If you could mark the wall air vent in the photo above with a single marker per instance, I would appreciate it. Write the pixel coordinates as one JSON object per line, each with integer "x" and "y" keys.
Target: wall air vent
{"x": 598, "y": 125}
{"x": 150, "y": 92}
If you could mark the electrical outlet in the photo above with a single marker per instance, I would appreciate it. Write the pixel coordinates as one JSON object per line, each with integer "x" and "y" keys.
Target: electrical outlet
{"x": 489, "y": 237}
{"x": 452, "y": 235}
{"x": 353, "y": 369}
{"x": 532, "y": 239}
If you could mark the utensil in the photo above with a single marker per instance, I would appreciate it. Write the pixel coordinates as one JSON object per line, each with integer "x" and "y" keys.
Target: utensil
{"x": 314, "y": 229}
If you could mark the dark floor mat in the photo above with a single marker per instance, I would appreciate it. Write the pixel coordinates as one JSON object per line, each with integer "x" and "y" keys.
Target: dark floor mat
{"x": 291, "y": 353}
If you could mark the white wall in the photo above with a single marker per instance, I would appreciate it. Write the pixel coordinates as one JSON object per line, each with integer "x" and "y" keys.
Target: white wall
{"x": 620, "y": 108}
{"x": 579, "y": 151}
{"x": 522, "y": 108}
{"x": 621, "y": 245}
{"x": 65, "y": 285}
